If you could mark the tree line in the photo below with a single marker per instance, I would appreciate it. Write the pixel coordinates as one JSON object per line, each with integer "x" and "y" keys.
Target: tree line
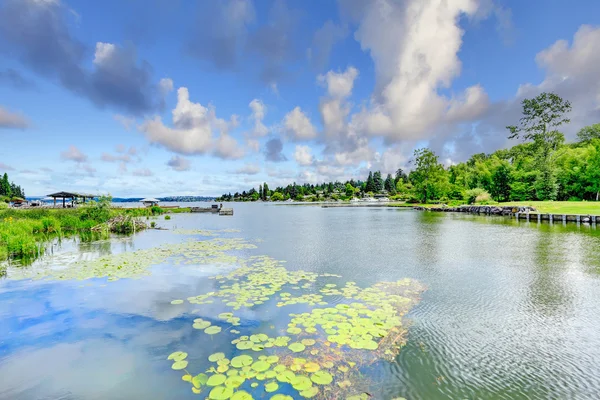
{"x": 542, "y": 167}
{"x": 9, "y": 190}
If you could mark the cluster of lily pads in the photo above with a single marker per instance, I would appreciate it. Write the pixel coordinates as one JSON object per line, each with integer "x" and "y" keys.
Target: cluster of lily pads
{"x": 332, "y": 343}
{"x": 136, "y": 263}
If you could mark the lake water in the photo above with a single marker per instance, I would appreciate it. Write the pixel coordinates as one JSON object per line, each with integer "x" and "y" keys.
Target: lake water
{"x": 510, "y": 310}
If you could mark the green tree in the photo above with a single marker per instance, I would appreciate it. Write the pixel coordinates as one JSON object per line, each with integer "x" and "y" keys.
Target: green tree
{"x": 389, "y": 184}
{"x": 541, "y": 116}
{"x": 5, "y": 186}
{"x": 370, "y": 184}
{"x": 277, "y": 196}
{"x": 593, "y": 169}
{"x": 588, "y": 133}
{"x": 500, "y": 187}
{"x": 377, "y": 182}
{"x": 429, "y": 176}
{"x": 400, "y": 176}
{"x": 349, "y": 190}
{"x": 265, "y": 191}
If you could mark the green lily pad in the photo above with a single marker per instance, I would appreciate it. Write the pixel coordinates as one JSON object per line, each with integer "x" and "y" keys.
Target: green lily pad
{"x": 272, "y": 359}
{"x": 244, "y": 345}
{"x": 201, "y": 325}
{"x": 177, "y": 356}
{"x": 296, "y": 347}
{"x": 281, "y": 397}
{"x": 234, "y": 381}
{"x": 308, "y": 342}
{"x": 271, "y": 387}
{"x": 321, "y": 378}
{"x": 175, "y": 302}
{"x": 220, "y": 393}
{"x": 310, "y": 392}
{"x": 211, "y": 330}
{"x": 216, "y": 357}
{"x": 241, "y": 361}
{"x": 301, "y": 383}
{"x": 178, "y": 365}
{"x": 199, "y": 380}
{"x": 242, "y": 395}
{"x": 216, "y": 380}
{"x": 261, "y": 366}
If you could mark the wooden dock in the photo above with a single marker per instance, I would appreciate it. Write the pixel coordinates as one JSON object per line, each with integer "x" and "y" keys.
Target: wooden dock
{"x": 204, "y": 209}
{"x": 558, "y": 218}
{"x": 226, "y": 211}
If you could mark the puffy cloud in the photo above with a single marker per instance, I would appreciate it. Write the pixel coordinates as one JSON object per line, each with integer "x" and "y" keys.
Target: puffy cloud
{"x": 142, "y": 172}
{"x": 414, "y": 45}
{"x": 36, "y": 32}
{"x": 221, "y": 31}
{"x": 258, "y": 114}
{"x": 74, "y": 154}
{"x": 298, "y": 126}
{"x": 165, "y": 86}
{"x": 339, "y": 85}
{"x": 248, "y": 169}
{"x": 303, "y": 155}
{"x": 179, "y": 163}
{"x": 274, "y": 151}
{"x": 10, "y": 120}
{"x": 228, "y": 148}
{"x": 192, "y": 131}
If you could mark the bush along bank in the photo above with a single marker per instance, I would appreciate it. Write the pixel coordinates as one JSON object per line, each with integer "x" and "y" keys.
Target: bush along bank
{"x": 24, "y": 234}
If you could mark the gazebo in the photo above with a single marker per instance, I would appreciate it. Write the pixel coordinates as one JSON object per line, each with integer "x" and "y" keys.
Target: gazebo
{"x": 150, "y": 201}
{"x": 70, "y": 195}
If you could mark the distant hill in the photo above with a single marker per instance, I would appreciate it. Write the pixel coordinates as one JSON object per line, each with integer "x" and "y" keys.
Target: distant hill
{"x": 180, "y": 199}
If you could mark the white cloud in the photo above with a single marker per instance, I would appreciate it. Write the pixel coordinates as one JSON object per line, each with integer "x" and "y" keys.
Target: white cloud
{"x": 179, "y": 163}
{"x": 192, "y": 131}
{"x": 298, "y": 126}
{"x": 248, "y": 169}
{"x": 339, "y": 85}
{"x": 165, "y": 85}
{"x": 303, "y": 155}
{"x": 11, "y": 120}
{"x": 258, "y": 114}
{"x": 415, "y": 45}
{"x": 227, "y": 148}
{"x": 73, "y": 154}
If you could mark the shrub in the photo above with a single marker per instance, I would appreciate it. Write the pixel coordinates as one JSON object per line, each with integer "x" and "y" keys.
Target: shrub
{"x": 156, "y": 210}
{"x": 50, "y": 225}
{"x": 167, "y": 217}
{"x": 152, "y": 224}
{"x": 471, "y": 195}
{"x": 483, "y": 198}
{"x": 3, "y": 205}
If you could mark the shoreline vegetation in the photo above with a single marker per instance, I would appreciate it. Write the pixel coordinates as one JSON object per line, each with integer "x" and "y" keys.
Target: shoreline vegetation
{"x": 545, "y": 171}
{"x": 25, "y": 233}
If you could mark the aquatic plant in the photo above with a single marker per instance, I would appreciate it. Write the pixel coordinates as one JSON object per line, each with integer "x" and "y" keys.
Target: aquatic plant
{"x": 326, "y": 346}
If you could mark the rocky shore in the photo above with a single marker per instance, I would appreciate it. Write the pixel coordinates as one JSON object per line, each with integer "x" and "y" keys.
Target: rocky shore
{"x": 489, "y": 210}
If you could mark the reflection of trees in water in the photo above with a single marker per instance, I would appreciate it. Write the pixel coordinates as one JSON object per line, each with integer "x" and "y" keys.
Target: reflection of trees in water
{"x": 428, "y": 238}
{"x": 549, "y": 293}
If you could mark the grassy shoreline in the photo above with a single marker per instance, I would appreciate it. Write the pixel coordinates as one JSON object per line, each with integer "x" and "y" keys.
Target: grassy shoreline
{"x": 546, "y": 207}
{"x": 24, "y": 233}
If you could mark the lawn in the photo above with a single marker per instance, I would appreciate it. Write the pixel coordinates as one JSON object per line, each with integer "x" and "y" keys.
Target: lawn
{"x": 547, "y": 207}
{"x": 561, "y": 207}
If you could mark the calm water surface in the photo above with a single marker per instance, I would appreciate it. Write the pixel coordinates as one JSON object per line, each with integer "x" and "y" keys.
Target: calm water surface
{"x": 511, "y": 310}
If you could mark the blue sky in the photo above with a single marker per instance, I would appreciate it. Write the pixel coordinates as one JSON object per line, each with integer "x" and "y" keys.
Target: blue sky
{"x": 161, "y": 97}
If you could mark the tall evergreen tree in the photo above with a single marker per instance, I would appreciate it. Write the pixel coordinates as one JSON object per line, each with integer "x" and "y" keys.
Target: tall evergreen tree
{"x": 370, "y": 186}
{"x": 378, "y": 181}
{"x": 5, "y": 186}
{"x": 389, "y": 184}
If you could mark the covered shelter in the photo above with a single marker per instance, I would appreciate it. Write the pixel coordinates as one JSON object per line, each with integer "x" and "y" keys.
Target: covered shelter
{"x": 71, "y": 195}
{"x": 150, "y": 201}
